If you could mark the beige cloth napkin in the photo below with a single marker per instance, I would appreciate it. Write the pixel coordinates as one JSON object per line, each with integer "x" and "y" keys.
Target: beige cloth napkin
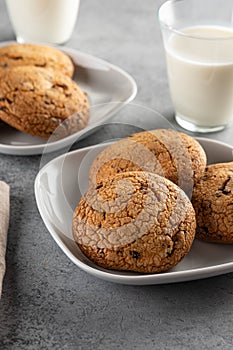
{"x": 4, "y": 223}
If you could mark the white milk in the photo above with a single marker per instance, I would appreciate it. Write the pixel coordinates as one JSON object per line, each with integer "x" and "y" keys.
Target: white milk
{"x": 200, "y": 73}
{"x": 50, "y": 21}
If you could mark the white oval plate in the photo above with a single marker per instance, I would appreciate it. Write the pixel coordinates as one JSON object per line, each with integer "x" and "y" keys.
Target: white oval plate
{"x": 108, "y": 87}
{"x": 57, "y": 194}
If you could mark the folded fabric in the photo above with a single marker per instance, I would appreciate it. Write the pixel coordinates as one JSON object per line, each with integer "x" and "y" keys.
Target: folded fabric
{"x": 4, "y": 223}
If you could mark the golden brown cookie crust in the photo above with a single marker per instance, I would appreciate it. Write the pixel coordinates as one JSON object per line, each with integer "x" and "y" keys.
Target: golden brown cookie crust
{"x": 40, "y": 101}
{"x": 171, "y": 154}
{"x": 213, "y": 202}
{"x": 48, "y": 57}
{"x": 135, "y": 221}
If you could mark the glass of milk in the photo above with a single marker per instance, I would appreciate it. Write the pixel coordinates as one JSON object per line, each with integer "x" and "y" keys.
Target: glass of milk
{"x": 198, "y": 41}
{"x": 47, "y": 21}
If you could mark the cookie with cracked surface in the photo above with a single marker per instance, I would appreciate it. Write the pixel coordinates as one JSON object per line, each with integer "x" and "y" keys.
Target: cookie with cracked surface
{"x": 48, "y": 57}
{"x": 174, "y": 155}
{"x": 135, "y": 221}
{"x": 213, "y": 202}
{"x": 42, "y": 102}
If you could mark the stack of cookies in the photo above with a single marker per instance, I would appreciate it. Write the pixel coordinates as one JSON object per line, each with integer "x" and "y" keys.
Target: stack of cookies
{"x": 37, "y": 93}
{"x": 150, "y": 195}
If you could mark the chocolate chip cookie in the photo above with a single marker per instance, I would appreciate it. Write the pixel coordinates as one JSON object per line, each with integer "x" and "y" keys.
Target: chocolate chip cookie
{"x": 135, "y": 221}
{"x": 42, "y": 102}
{"x": 48, "y": 57}
{"x": 213, "y": 203}
{"x": 171, "y": 154}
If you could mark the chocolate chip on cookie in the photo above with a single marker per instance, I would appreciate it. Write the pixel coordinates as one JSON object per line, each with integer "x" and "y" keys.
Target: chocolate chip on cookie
{"x": 135, "y": 221}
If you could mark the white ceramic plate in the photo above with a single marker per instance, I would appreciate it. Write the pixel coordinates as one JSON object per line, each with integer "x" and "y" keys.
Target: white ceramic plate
{"x": 57, "y": 193}
{"x": 108, "y": 87}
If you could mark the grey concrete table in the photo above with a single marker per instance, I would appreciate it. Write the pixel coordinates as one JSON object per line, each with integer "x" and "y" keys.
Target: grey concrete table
{"x": 48, "y": 303}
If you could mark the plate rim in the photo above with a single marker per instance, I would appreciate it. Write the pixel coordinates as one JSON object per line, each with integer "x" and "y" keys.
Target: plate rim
{"x": 117, "y": 276}
{"x": 52, "y": 146}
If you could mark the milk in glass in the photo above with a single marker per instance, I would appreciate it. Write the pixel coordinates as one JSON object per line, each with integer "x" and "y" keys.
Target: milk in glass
{"x": 49, "y": 21}
{"x": 200, "y": 72}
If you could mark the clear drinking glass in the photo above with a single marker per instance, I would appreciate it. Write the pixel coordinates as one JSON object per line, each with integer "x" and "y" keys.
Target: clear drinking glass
{"x": 198, "y": 41}
{"x": 47, "y": 21}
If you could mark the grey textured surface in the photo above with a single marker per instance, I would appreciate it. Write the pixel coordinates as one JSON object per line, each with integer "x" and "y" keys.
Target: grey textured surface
{"x": 48, "y": 303}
